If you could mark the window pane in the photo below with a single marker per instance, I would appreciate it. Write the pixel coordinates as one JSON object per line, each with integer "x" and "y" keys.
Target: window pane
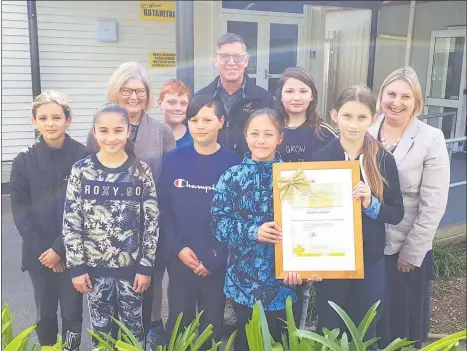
{"x": 272, "y": 85}
{"x": 446, "y": 123}
{"x": 282, "y": 47}
{"x": 249, "y": 32}
{"x": 447, "y": 63}
{"x": 273, "y": 6}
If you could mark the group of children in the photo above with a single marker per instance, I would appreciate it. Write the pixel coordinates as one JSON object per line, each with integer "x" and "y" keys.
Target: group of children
{"x": 208, "y": 218}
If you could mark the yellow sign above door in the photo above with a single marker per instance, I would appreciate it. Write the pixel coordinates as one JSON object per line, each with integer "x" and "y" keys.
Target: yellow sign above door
{"x": 157, "y": 11}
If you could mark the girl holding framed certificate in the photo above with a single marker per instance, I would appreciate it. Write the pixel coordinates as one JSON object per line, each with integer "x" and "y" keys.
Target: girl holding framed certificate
{"x": 305, "y": 133}
{"x": 243, "y": 217}
{"x": 381, "y": 201}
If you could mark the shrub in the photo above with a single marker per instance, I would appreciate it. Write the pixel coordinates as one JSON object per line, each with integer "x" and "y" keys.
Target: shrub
{"x": 450, "y": 261}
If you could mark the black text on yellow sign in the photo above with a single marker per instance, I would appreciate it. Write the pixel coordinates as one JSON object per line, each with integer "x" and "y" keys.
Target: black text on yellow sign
{"x": 162, "y": 59}
{"x": 158, "y": 11}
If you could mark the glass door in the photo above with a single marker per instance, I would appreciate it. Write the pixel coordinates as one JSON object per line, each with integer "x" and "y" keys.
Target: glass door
{"x": 273, "y": 44}
{"x": 445, "y": 84}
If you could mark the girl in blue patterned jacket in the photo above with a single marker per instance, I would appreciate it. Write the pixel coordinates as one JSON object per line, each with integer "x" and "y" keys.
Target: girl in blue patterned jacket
{"x": 242, "y": 211}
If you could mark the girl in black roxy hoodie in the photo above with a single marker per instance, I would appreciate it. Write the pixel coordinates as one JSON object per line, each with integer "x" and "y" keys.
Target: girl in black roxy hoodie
{"x": 39, "y": 177}
{"x": 381, "y": 199}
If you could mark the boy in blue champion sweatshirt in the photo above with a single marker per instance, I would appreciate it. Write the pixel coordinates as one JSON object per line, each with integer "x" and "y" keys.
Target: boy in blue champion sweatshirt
{"x": 196, "y": 261}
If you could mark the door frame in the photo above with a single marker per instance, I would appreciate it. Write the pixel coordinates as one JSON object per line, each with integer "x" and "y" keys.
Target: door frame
{"x": 264, "y": 19}
{"x": 460, "y": 103}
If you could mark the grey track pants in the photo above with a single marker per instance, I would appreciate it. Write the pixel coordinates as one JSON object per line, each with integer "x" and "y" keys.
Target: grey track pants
{"x": 115, "y": 297}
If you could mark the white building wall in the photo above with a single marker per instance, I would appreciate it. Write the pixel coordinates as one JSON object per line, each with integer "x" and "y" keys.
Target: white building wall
{"x": 17, "y": 131}
{"x": 74, "y": 62}
{"x": 204, "y": 22}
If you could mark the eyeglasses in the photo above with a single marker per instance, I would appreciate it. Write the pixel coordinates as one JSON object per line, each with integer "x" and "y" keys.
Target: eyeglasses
{"x": 236, "y": 58}
{"x": 127, "y": 92}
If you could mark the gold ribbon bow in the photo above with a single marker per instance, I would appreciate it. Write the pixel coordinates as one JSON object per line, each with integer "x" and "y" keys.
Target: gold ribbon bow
{"x": 298, "y": 182}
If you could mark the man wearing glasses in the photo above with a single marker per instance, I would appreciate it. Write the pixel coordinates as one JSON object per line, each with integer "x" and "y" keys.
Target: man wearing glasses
{"x": 239, "y": 95}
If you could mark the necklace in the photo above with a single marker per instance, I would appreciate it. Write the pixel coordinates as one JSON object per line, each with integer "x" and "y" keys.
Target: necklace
{"x": 390, "y": 147}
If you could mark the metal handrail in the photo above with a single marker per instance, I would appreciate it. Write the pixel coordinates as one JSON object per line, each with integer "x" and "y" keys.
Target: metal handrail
{"x": 425, "y": 118}
{"x": 451, "y": 143}
{"x": 436, "y": 115}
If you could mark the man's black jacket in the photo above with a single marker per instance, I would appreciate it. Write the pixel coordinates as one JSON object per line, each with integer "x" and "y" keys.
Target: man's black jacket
{"x": 38, "y": 180}
{"x": 254, "y": 98}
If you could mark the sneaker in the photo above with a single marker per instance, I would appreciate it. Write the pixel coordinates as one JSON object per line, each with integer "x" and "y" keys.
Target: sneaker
{"x": 156, "y": 337}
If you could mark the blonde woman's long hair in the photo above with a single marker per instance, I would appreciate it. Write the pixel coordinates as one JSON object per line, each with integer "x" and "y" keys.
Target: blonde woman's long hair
{"x": 371, "y": 147}
{"x": 408, "y": 75}
{"x": 125, "y": 72}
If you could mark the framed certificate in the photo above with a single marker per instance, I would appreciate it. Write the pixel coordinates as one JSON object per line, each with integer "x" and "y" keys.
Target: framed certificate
{"x": 321, "y": 222}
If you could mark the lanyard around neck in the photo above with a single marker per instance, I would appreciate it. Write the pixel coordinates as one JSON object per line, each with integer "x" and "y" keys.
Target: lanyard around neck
{"x": 362, "y": 169}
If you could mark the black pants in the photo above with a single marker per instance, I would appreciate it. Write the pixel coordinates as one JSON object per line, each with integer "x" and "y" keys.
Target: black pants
{"x": 148, "y": 297}
{"x": 187, "y": 291}
{"x": 50, "y": 289}
{"x": 274, "y": 318}
{"x": 407, "y": 307}
{"x": 354, "y": 296}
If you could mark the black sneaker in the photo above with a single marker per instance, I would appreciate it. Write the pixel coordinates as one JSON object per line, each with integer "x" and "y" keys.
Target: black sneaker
{"x": 157, "y": 337}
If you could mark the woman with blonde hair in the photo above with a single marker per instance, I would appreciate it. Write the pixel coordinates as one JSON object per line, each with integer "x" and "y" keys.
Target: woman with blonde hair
{"x": 129, "y": 86}
{"x": 424, "y": 171}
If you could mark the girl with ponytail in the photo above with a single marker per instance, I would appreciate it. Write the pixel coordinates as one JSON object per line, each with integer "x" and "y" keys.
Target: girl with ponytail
{"x": 381, "y": 201}
{"x": 110, "y": 225}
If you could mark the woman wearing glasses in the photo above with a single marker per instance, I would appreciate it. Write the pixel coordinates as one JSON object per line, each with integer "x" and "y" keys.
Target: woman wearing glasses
{"x": 129, "y": 86}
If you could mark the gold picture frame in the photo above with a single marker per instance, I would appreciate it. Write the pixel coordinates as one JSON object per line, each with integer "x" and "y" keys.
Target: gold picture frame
{"x": 317, "y": 211}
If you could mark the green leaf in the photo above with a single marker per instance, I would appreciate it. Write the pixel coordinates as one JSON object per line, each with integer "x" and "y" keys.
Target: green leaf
{"x": 356, "y": 336}
{"x": 370, "y": 342}
{"x": 6, "y": 325}
{"x": 397, "y": 344}
{"x": 50, "y": 348}
{"x": 344, "y": 342}
{"x": 128, "y": 333}
{"x": 7, "y": 333}
{"x": 125, "y": 339}
{"x": 173, "y": 337}
{"x": 291, "y": 326}
{"x": 231, "y": 341}
{"x": 201, "y": 340}
{"x": 100, "y": 340}
{"x": 108, "y": 338}
{"x": 446, "y": 341}
{"x": 267, "y": 339}
{"x": 368, "y": 318}
{"x": 36, "y": 347}
{"x": 253, "y": 331}
{"x": 214, "y": 345}
{"x": 284, "y": 342}
{"x": 16, "y": 343}
{"x": 332, "y": 334}
{"x": 319, "y": 338}
{"x": 277, "y": 347}
{"x": 122, "y": 346}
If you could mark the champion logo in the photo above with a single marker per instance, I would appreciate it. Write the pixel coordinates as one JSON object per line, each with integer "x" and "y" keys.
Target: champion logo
{"x": 248, "y": 107}
{"x": 183, "y": 183}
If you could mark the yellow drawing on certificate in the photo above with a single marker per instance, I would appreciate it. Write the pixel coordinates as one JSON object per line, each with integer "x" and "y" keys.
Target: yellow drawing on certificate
{"x": 317, "y": 238}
